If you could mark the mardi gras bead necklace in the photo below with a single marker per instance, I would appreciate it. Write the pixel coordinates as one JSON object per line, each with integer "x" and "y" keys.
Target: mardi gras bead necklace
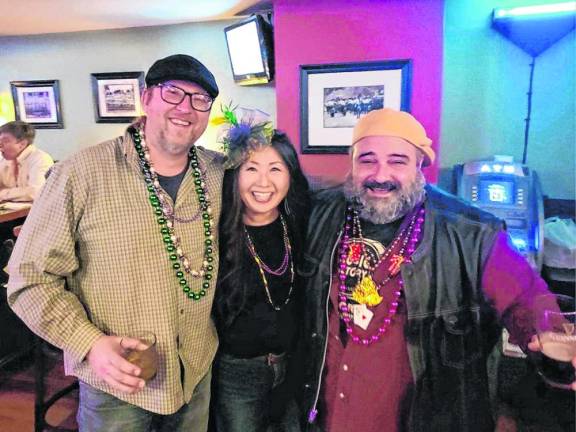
{"x": 367, "y": 292}
{"x": 395, "y": 253}
{"x": 263, "y": 268}
{"x": 165, "y": 218}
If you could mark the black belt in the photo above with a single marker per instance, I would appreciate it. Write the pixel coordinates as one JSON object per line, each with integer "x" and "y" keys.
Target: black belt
{"x": 269, "y": 359}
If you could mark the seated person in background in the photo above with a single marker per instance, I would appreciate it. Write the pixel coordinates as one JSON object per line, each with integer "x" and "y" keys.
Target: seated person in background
{"x": 23, "y": 170}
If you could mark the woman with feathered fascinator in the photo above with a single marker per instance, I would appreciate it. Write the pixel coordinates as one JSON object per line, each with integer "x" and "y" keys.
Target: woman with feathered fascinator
{"x": 242, "y": 132}
{"x": 257, "y": 306}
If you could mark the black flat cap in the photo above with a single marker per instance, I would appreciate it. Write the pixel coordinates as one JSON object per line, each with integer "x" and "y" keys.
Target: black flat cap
{"x": 184, "y": 68}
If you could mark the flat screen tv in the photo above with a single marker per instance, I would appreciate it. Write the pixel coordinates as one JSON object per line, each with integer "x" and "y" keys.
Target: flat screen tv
{"x": 251, "y": 51}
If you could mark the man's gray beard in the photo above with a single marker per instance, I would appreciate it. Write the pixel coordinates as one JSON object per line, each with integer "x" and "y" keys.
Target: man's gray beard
{"x": 386, "y": 210}
{"x": 162, "y": 143}
{"x": 170, "y": 148}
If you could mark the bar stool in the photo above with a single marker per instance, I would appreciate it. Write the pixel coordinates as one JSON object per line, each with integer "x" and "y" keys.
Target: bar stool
{"x": 17, "y": 340}
{"x": 41, "y": 403}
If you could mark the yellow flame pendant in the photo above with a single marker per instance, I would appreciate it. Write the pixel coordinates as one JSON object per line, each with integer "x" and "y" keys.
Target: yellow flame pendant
{"x": 366, "y": 292}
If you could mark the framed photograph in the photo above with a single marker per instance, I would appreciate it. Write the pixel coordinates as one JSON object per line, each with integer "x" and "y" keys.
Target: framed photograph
{"x": 37, "y": 103}
{"x": 334, "y": 96}
{"x": 117, "y": 96}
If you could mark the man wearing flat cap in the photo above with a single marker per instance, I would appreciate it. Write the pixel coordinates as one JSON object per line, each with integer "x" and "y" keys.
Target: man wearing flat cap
{"x": 404, "y": 287}
{"x": 120, "y": 244}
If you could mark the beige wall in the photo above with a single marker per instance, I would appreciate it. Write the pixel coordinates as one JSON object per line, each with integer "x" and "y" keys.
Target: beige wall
{"x": 72, "y": 57}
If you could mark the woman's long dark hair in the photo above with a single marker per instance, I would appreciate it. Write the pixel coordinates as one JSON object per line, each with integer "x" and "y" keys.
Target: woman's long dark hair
{"x": 230, "y": 289}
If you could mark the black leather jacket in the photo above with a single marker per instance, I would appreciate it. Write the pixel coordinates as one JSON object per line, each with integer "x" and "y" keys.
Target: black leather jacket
{"x": 451, "y": 327}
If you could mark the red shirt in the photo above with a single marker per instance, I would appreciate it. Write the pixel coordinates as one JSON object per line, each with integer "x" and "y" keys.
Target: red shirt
{"x": 365, "y": 389}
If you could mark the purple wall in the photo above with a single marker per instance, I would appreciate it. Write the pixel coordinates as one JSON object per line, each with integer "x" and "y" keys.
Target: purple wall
{"x": 338, "y": 31}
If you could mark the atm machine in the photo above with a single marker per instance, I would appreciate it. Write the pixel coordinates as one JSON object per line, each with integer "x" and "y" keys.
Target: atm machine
{"x": 510, "y": 191}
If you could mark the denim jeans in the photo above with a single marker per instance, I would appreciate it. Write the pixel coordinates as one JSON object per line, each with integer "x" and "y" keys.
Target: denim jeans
{"x": 242, "y": 395}
{"x": 101, "y": 412}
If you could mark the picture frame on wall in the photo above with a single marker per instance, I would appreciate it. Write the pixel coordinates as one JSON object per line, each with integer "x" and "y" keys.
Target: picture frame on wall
{"x": 334, "y": 96}
{"x": 37, "y": 103}
{"x": 117, "y": 96}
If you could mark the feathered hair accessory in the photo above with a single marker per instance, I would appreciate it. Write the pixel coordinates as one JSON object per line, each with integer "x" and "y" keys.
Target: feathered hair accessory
{"x": 244, "y": 131}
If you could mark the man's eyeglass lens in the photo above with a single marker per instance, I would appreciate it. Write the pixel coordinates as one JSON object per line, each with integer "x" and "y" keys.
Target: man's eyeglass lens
{"x": 175, "y": 95}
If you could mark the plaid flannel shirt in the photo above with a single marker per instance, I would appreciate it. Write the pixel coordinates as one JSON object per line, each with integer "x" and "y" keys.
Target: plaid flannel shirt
{"x": 90, "y": 260}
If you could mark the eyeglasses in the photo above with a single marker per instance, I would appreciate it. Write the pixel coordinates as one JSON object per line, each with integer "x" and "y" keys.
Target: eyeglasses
{"x": 175, "y": 95}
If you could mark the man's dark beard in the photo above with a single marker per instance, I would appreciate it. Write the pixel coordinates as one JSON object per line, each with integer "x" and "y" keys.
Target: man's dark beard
{"x": 386, "y": 210}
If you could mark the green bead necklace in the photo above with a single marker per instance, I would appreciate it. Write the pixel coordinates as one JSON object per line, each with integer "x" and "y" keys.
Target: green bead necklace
{"x": 165, "y": 218}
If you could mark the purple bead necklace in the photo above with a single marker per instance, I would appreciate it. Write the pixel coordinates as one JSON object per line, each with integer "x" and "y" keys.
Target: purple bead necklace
{"x": 405, "y": 244}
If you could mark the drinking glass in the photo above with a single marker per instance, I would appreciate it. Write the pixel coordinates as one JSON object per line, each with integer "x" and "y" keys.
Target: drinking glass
{"x": 146, "y": 359}
{"x": 557, "y": 337}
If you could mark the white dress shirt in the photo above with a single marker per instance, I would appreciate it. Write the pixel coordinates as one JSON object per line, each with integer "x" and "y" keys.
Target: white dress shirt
{"x": 33, "y": 164}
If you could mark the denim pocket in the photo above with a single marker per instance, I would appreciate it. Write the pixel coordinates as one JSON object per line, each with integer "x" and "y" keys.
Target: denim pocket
{"x": 101, "y": 411}
{"x": 279, "y": 373}
{"x": 96, "y": 399}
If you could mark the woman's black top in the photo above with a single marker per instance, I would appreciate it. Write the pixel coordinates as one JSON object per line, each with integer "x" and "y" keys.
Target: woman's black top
{"x": 259, "y": 329}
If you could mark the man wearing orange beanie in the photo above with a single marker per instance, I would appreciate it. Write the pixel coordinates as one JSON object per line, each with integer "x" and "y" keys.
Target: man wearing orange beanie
{"x": 404, "y": 285}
